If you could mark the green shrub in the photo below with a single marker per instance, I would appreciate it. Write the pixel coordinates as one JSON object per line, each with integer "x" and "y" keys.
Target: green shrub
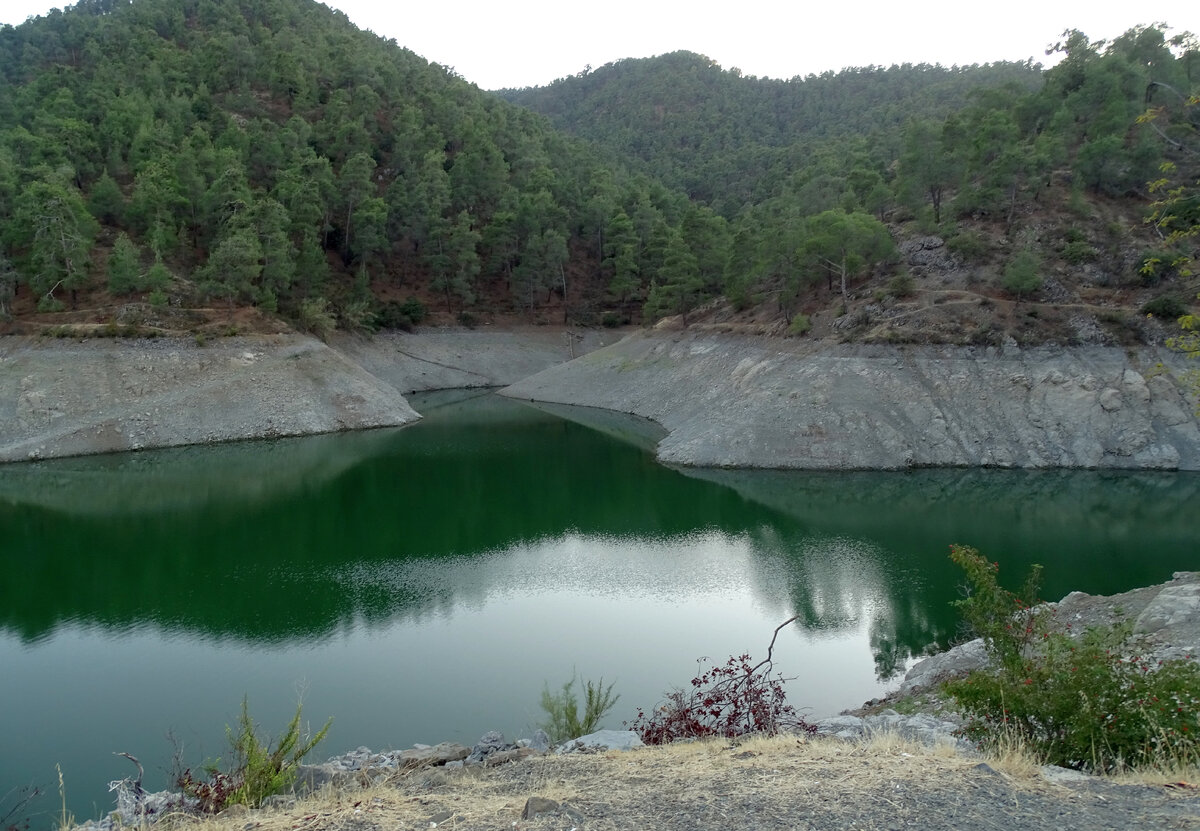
{"x": 1021, "y": 275}
{"x": 1166, "y": 306}
{"x": 901, "y": 286}
{"x": 315, "y": 317}
{"x": 259, "y": 768}
{"x": 1158, "y": 265}
{"x": 413, "y": 309}
{"x": 1086, "y": 702}
{"x": 800, "y": 325}
{"x": 403, "y": 316}
{"x": 157, "y": 278}
{"x": 49, "y": 303}
{"x": 357, "y": 316}
{"x": 563, "y": 721}
{"x": 970, "y": 245}
{"x": 1078, "y": 252}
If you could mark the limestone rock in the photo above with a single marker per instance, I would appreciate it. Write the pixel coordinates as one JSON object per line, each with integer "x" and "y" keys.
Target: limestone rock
{"x": 602, "y": 740}
{"x": 735, "y": 401}
{"x": 439, "y": 754}
{"x": 538, "y": 805}
{"x": 957, "y": 661}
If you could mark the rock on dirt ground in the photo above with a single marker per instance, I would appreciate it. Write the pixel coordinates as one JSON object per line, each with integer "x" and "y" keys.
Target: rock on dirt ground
{"x": 782, "y": 783}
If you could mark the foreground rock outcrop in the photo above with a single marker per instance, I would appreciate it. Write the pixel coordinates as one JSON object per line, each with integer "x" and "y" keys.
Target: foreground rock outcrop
{"x": 733, "y": 401}
{"x": 1165, "y": 626}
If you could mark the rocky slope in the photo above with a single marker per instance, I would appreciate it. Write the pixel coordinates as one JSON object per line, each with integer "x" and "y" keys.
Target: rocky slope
{"x": 724, "y": 400}
{"x": 735, "y": 401}
{"x": 61, "y": 398}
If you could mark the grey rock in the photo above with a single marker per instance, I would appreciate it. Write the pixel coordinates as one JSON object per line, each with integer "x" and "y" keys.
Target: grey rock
{"x": 1063, "y": 776}
{"x": 440, "y": 754}
{"x": 937, "y": 668}
{"x": 490, "y": 741}
{"x": 538, "y": 805}
{"x": 502, "y": 757}
{"x": 842, "y": 726}
{"x": 1174, "y": 606}
{"x": 540, "y": 740}
{"x": 602, "y": 740}
{"x": 311, "y": 778}
{"x": 739, "y": 401}
{"x": 63, "y": 398}
{"x": 121, "y": 396}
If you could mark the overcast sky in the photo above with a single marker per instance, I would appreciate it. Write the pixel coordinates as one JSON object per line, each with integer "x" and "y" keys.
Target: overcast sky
{"x": 514, "y": 43}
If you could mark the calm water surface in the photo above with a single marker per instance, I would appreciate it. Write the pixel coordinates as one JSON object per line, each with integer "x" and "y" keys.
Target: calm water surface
{"x": 421, "y": 585}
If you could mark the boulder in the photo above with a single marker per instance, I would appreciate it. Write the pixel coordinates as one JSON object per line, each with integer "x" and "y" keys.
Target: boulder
{"x": 602, "y": 740}
{"x": 439, "y": 754}
{"x": 937, "y": 668}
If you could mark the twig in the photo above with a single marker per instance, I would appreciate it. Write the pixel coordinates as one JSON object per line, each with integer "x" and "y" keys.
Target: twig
{"x": 30, "y": 793}
{"x": 136, "y": 783}
{"x": 771, "y": 647}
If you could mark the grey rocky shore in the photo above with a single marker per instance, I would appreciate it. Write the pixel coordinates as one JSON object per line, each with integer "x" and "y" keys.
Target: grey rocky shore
{"x": 739, "y": 401}
{"x": 75, "y": 398}
{"x": 723, "y": 400}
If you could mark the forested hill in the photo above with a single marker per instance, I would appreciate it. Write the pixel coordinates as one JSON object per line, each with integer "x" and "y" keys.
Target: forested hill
{"x": 207, "y": 165}
{"x": 919, "y": 203}
{"x": 266, "y": 153}
{"x": 730, "y": 139}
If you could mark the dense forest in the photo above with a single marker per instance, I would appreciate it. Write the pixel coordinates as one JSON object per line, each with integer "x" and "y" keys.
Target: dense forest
{"x": 729, "y": 140}
{"x": 164, "y": 158}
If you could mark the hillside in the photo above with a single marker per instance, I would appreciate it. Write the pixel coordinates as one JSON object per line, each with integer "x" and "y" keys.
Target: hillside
{"x": 923, "y": 204}
{"x": 209, "y": 167}
{"x": 224, "y": 155}
{"x": 728, "y": 139}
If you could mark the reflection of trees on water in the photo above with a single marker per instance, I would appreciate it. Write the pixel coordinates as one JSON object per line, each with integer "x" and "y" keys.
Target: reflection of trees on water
{"x": 252, "y": 556}
{"x": 1099, "y": 532}
{"x": 294, "y": 540}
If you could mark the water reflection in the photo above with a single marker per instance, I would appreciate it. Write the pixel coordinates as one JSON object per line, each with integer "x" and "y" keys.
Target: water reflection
{"x": 426, "y": 581}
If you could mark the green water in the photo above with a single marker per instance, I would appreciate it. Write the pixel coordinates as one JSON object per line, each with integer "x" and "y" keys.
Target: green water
{"x": 421, "y": 585}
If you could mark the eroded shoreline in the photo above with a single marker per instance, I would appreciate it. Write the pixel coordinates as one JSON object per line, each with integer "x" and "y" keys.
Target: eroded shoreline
{"x": 723, "y": 401}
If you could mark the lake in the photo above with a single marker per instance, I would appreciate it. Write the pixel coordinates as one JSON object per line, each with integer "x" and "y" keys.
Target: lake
{"x": 423, "y": 584}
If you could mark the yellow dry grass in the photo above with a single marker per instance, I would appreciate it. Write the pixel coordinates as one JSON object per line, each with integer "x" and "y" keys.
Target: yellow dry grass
{"x": 700, "y": 784}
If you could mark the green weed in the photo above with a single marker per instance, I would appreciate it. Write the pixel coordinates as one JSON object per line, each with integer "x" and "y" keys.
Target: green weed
{"x": 1082, "y": 700}
{"x": 563, "y": 721}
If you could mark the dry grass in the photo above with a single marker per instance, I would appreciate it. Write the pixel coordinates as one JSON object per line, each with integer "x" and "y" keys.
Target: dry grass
{"x": 701, "y": 784}
{"x": 1170, "y": 775}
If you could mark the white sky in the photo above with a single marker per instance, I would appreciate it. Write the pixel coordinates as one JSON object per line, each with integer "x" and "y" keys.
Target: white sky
{"x": 514, "y": 43}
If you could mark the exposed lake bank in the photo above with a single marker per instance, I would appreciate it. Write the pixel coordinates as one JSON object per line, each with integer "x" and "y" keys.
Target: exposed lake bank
{"x": 63, "y": 397}
{"x": 732, "y": 401}
{"x": 723, "y": 400}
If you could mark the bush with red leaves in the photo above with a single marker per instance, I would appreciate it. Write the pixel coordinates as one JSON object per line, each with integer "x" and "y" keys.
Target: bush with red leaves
{"x": 727, "y": 700}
